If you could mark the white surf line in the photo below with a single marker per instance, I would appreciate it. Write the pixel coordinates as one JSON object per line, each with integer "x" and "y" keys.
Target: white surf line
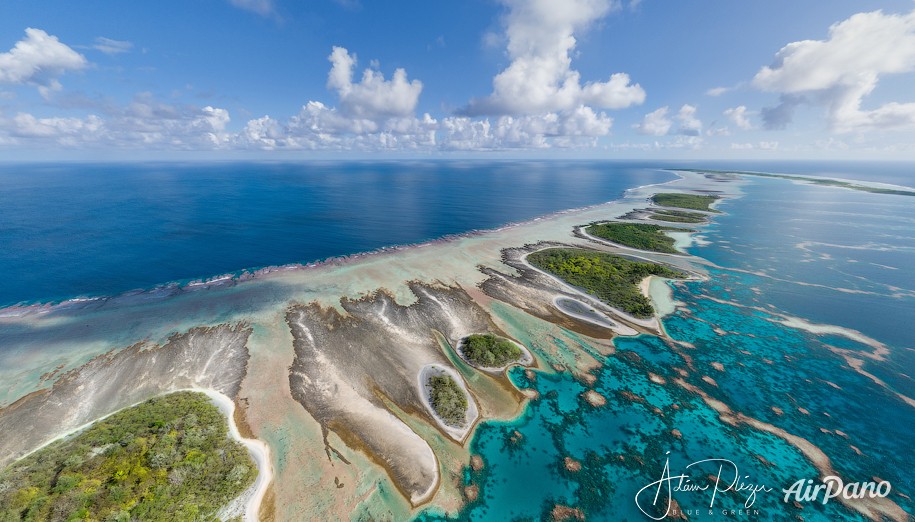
{"x": 258, "y": 450}
{"x": 252, "y": 273}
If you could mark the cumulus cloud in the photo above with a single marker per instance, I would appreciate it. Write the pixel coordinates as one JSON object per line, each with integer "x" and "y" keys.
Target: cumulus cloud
{"x": 689, "y": 124}
{"x": 762, "y": 145}
{"x": 109, "y": 46}
{"x": 39, "y": 59}
{"x": 373, "y": 97}
{"x": 738, "y": 116}
{"x": 540, "y": 78}
{"x": 579, "y": 127}
{"x": 373, "y": 114}
{"x": 655, "y": 123}
{"x": 841, "y": 71}
{"x": 144, "y": 123}
{"x": 261, "y": 7}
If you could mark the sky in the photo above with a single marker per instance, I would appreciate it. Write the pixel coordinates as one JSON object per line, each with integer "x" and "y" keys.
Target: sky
{"x": 286, "y": 79}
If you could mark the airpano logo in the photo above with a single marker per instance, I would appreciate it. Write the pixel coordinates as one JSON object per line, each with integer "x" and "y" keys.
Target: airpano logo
{"x": 832, "y": 487}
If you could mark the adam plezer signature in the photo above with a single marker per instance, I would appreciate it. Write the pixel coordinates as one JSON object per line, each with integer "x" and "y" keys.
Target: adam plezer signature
{"x": 727, "y": 479}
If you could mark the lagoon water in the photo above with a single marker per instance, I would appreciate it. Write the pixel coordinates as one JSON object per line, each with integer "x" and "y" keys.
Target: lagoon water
{"x": 782, "y": 250}
{"x": 827, "y": 255}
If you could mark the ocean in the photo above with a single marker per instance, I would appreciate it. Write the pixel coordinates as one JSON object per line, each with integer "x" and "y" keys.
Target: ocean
{"x": 79, "y": 230}
{"x": 785, "y": 258}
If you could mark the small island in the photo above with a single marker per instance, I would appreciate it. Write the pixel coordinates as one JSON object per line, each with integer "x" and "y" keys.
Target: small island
{"x": 489, "y": 351}
{"x": 677, "y": 216}
{"x": 448, "y": 400}
{"x": 641, "y": 236}
{"x": 610, "y": 278}
{"x": 169, "y": 458}
{"x": 687, "y": 201}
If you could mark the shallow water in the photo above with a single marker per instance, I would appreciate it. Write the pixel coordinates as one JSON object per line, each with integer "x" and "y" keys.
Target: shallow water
{"x": 783, "y": 250}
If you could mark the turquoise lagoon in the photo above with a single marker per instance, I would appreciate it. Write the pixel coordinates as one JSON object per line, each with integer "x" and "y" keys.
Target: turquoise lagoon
{"x": 783, "y": 250}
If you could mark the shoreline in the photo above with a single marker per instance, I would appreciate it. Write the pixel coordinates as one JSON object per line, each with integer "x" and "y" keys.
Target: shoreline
{"x": 458, "y": 434}
{"x": 260, "y": 377}
{"x": 182, "y": 286}
{"x": 526, "y": 360}
{"x": 257, "y": 449}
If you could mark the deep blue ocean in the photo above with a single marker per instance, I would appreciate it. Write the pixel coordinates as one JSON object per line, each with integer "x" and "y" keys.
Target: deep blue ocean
{"x": 74, "y": 230}
{"x": 99, "y": 230}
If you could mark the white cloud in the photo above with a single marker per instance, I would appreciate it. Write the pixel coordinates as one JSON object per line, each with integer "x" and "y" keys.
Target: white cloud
{"x": 39, "y": 59}
{"x": 717, "y": 91}
{"x": 655, "y": 123}
{"x": 738, "y": 115}
{"x": 144, "y": 123}
{"x": 373, "y": 114}
{"x": 109, "y": 46}
{"x": 373, "y": 97}
{"x": 689, "y": 124}
{"x": 261, "y": 7}
{"x": 579, "y": 127}
{"x": 762, "y": 145}
{"x": 540, "y": 78}
{"x": 841, "y": 71}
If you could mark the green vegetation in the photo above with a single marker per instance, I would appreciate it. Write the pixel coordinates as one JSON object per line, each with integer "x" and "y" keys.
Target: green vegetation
{"x": 612, "y": 279}
{"x": 169, "y": 458}
{"x": 643, "y": 236}
{"x": 688, "y": 201}
{"x": 490, "y": 351}
{"x": 677, "y": 216}
{"x": 448, "y": 400}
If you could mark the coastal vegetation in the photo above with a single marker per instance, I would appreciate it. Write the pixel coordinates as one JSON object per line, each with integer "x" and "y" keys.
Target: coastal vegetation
{"x": 169, "y": 458}
{"x": 448, "y": 399}
{"x": 677, "y": 216}
{"x": 612, "y": 279}
{"x": 489, "y": 351}
{"x": 643, "y": 236}
{"x": 687, "y": 201}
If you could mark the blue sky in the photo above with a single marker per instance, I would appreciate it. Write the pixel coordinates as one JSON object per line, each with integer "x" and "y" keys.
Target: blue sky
{"x": 350, "y": 78}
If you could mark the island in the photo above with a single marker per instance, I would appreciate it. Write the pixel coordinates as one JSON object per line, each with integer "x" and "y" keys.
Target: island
{"x": 677, "y": 216}
{"x": 826, "y": 182}
{"x": 169, "y": 458}
{"x": 688, "y": 201}
{"x": 641, "y": 236}
{"x": 489, "y": 351}
{"x": 448, "y": 400}
{"x": 612, "y": 279}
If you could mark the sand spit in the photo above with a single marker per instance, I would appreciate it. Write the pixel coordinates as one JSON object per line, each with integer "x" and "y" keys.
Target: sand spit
{"x": 249, "y": 502}
{"x": 212, "y": 358}
{"x": 345, "y": 364}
